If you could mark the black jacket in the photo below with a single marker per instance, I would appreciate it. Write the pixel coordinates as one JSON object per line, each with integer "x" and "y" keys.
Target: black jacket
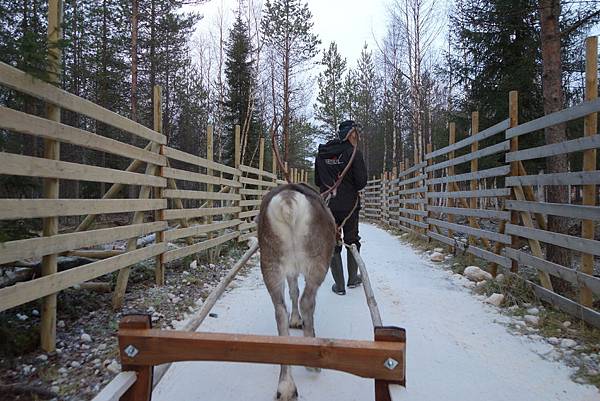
{"x": 329, "y": 164}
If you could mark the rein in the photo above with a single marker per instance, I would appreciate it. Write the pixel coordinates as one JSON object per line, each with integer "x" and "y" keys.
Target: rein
{"x": 328, "y": 194}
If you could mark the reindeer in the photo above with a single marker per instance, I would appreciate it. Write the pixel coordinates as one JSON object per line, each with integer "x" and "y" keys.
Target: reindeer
{"x": 296, "y": 235}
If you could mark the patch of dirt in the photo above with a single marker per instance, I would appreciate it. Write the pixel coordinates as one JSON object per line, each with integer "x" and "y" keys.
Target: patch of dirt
{"x": 86, "y": 358}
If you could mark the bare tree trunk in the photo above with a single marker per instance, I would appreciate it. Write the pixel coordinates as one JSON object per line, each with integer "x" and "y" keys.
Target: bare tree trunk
{"x": 134, "y": 59}
{"x": 286, "y": 102}
{"x": 553, "y": 101}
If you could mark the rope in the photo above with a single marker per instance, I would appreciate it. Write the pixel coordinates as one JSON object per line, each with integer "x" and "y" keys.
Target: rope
{"x": 338, "y": 228}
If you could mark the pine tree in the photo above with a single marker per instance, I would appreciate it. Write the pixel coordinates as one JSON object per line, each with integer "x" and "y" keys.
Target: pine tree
{"x": 287, "y": 27}
{"x": 367, "y": 85}
{"x": 239, "y": 97}
{"x": 348, "y": 95}
{"x": 328, "y": 109}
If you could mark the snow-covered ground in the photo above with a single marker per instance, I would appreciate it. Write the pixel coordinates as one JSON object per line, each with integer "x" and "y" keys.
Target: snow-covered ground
{"x": 457, "y": 349}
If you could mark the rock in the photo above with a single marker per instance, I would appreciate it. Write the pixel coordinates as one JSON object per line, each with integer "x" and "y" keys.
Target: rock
{"x": 63, "y": 371}
{"x": 513, "y": 308}
{"x": 151, "y": 310}
{"x": 28, "y": 369}
{"x": 495, "y": 299}
{"x": 59, "y": 351}
{"x": 194, "y": 264}
{"x": 114, "y": 367}
{"x": 436, "y": 257}
{"x": 55, "y": 389}
{"x": 566, "y": 324}
{"x": 567, "y": 343}
{"x": 438, "y": 250}
{"x": 84, "y": 346}
{"x": 61, "y": 324}
{"x": 35, "y": 312}
{"x": 448, "y": 257}
{"x": 535, "y": 337}
{"x": 500, "y": 278}
{"x": 532, "y": 320}
{"x": 469, "y": 284}
{"x": 75, "y": 364}
{"x": 22, "y": 317}
{"x": 533, "y": 311}
{"x": 553, "y": 340}
{"x": 474, "y": 273}
{"x": 101, "y": 347}
{"x": 86, "y": 338}
{"x": 42, "y": 358}
{"x": 185, "y": 273}
{"x": 481, "y": 284}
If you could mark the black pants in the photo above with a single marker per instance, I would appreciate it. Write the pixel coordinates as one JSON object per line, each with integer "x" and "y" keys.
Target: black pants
{"x": 350, "y": 229}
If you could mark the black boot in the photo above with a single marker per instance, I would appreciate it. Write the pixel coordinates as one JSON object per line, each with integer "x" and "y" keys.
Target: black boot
{"x": 337, "y": 271}
{"x": 354, "y": 279}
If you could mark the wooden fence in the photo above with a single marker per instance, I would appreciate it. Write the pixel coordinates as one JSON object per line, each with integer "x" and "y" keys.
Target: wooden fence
{"x": 488, "y": 213}
{"x": 175, "y": 223}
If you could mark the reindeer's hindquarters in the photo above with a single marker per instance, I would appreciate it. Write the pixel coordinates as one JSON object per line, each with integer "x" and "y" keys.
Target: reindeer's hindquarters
{"x": 296, "y": 234}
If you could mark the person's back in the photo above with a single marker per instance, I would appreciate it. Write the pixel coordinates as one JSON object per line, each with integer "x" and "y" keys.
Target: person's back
{"x": 344, "y": 203}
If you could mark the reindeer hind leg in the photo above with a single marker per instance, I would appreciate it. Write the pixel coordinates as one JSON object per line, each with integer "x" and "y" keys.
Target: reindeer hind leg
{"x": 286, "y": 388}
{"x": 295, "y": 318}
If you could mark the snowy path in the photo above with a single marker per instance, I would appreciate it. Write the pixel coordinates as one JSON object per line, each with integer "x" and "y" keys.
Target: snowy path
{"x": 455, "y": 349}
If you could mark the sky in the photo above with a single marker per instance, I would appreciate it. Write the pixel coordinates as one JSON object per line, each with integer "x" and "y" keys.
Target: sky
{"x": 350, "y": 23}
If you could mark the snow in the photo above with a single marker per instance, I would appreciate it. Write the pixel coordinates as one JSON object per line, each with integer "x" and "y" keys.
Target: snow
{"x": 456, "y": 350}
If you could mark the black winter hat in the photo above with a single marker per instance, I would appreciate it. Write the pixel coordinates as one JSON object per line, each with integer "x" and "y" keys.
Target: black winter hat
{"x": 345, "y": 127}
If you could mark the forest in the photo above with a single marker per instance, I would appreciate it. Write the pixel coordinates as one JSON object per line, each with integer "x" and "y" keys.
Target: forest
{"x": 437, "y": 62}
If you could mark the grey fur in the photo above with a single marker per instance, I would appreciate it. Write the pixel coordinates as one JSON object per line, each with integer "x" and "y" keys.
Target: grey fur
{"x": 318, "y": 245}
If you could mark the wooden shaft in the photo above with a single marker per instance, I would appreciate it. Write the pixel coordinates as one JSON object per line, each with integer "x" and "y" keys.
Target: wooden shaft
{"x": 51, "y": 185}
{"x": 366, "y": 284}
{"x": 196, "y": 320}
{"x": 590, "y": 125}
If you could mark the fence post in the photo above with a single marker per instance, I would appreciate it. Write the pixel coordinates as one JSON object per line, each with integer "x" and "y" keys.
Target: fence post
{"x": 474, "y": 182}
{"x": 274, "y": 165}
{"x": 590, "y": 125}
{"x": 382, "y": 199}
{"x": 451, "y": 141}
{"x": 518, "y": 193}
{"x": 236, "y": 164}
{"x": 51, "y": 185}
{"x": 159, "y": 270}
{"x": 138, "y": 217}
{"x": 212, "y": 252}
{"x": 513, "y": 114}
{"x": 429, "y": 188}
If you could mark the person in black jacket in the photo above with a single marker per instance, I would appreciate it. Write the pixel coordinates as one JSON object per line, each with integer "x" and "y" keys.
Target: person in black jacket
{"x": 331, "y": 160}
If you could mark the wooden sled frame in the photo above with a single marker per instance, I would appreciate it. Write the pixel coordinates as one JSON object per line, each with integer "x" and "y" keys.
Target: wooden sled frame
{"x": 141, "y": 348}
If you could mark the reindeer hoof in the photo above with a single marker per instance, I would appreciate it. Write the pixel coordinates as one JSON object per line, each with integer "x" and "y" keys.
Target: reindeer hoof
{"x": 287, "y": 392}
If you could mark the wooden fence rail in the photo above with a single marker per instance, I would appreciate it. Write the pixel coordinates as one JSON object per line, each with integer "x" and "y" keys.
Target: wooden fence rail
{"x": 489, "y": 213}
{"x": 186, "y": 204}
